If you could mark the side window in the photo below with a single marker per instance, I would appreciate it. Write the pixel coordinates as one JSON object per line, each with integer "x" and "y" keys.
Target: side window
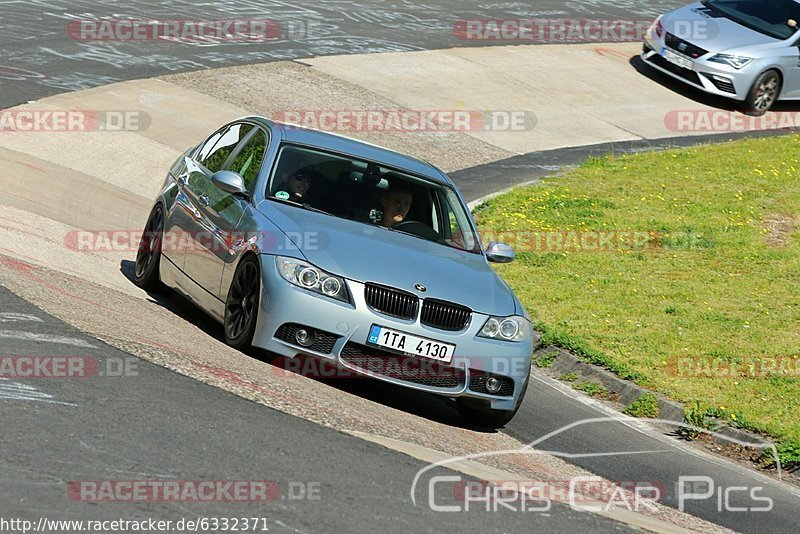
{"x": 455, "y": 229}
{"x": 248, "y": 161}
{"x": 208, "y": 146}
{"x": 451, "y": 228}
{"x": 435, "y": 216}
{"x": 214, "y": 157}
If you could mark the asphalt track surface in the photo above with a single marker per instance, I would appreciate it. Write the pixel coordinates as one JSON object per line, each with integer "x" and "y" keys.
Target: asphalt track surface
{"x": 38, "y": 57}
{"x": 164, "y": 411}
{"x": 133, "y": 421}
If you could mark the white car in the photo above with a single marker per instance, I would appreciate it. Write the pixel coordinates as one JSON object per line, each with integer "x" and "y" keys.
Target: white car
{"x": 746, "y": 50}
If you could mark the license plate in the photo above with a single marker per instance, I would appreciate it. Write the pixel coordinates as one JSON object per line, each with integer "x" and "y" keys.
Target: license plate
{"x": 677, "y": 59}
{"x": 411, "y": 344}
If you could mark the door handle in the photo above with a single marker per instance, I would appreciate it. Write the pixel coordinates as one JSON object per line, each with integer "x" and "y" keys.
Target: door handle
{"x": 203, "y": 200}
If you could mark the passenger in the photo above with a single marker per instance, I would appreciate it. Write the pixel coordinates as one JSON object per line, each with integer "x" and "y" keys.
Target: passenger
{"x": 396, "y": 203}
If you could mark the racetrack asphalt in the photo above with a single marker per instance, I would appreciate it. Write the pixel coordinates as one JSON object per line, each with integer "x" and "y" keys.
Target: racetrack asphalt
{"x": 39, "y": 58}
{"x": 124, "y": 419}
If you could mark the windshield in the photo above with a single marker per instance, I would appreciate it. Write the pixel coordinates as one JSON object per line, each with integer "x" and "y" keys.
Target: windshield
{"x": 776, "y": 18}
{"x": 368, "y": 193}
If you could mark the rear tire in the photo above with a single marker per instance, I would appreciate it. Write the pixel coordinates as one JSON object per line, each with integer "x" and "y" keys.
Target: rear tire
{"x": 148, "y": 258}
{"x": 242, "y": 304}
{"x": 764, "y": 93}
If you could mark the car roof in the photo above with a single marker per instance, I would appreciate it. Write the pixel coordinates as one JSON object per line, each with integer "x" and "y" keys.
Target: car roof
{"x": 291, "y": 133}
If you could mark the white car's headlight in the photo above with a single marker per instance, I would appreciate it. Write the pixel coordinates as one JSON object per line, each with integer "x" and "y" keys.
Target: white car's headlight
{"x": 512, "y": 328}
{"x": 737, "y": 62}
{"x": 307, "y": 276}
{"x": 657, "y": 28}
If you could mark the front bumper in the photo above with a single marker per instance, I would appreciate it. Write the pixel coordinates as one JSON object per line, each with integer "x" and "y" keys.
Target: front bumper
{"x": 711, "y": 77}
{"x": 341, "y": 331}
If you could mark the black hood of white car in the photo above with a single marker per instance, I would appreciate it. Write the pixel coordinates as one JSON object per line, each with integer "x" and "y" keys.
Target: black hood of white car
{"x": 368, "y": 253}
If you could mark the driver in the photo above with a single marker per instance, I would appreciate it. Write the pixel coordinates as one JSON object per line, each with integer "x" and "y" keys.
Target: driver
{"x": 396, "y": 203}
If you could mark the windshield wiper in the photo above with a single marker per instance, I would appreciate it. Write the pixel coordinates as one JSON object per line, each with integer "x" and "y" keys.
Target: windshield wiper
{"x": 308, "y": 207}
{"x": 405, "y": 233}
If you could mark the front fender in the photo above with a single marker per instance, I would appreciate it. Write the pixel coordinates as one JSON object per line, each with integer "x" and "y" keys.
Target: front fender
{"x": 256, "y": 234}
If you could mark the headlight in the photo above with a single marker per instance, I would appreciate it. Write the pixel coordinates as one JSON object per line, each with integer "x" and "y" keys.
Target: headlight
{"x": 657, "y": 28}
{"x": 312, "y": 278}
{"x": 737, "y": 62}
{"x": 505, "y": 328}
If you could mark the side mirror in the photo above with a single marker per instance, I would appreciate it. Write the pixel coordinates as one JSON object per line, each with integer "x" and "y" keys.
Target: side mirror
{"x": 500, "y": 253}
{"x": 230, "y": 182}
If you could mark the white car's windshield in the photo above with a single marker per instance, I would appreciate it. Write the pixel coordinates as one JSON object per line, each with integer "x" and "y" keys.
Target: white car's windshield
{"x": 369, "y": 193}
{"x": 776, "y": 18}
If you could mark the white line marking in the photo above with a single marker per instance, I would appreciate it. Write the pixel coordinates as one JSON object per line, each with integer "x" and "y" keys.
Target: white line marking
{"x": 15, "y": 391}
{"x": 9, "y": 317}
{"x": 641, "y": 426}
{"x": 46, "y": 338}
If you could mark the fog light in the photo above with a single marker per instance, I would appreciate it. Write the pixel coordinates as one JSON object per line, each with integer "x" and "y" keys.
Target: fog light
{"x": 304, "y": 337}
{"x": 493, "y": 385}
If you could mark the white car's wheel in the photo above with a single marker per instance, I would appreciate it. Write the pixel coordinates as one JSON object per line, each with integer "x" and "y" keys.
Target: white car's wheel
{"x": 764, "y": 93}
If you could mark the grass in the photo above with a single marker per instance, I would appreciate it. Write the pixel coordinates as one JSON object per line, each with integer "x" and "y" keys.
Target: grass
{"x": 593, "y": 389}
{"x": 545, "y": 360}
{"x": 645, "y": 406}
{"x": 712, "y": 271}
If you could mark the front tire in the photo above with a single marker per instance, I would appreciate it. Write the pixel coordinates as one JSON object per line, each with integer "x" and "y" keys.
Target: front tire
{"x": 148, "y": 259}
{"x": 764, "y": 93}
{"x": 477, "y": 414}
{"x": 242, "y": 304}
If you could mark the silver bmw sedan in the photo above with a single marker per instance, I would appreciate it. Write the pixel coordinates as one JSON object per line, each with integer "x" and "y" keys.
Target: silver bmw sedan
{"x": 313, "y": 245}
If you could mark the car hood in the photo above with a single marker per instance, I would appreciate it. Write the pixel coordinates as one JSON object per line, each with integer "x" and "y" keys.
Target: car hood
{"x": 704, "y": 27}
{"x": 367, "y": 253}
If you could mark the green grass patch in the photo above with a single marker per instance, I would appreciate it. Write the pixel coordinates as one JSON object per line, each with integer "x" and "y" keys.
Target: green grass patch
{"x": 645, "y": 406}
{"x": 592, "y": 389}
{"x": 788, "y": 453}
{"x": 545, "y": 360}
{"x": 712, "y": 271}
